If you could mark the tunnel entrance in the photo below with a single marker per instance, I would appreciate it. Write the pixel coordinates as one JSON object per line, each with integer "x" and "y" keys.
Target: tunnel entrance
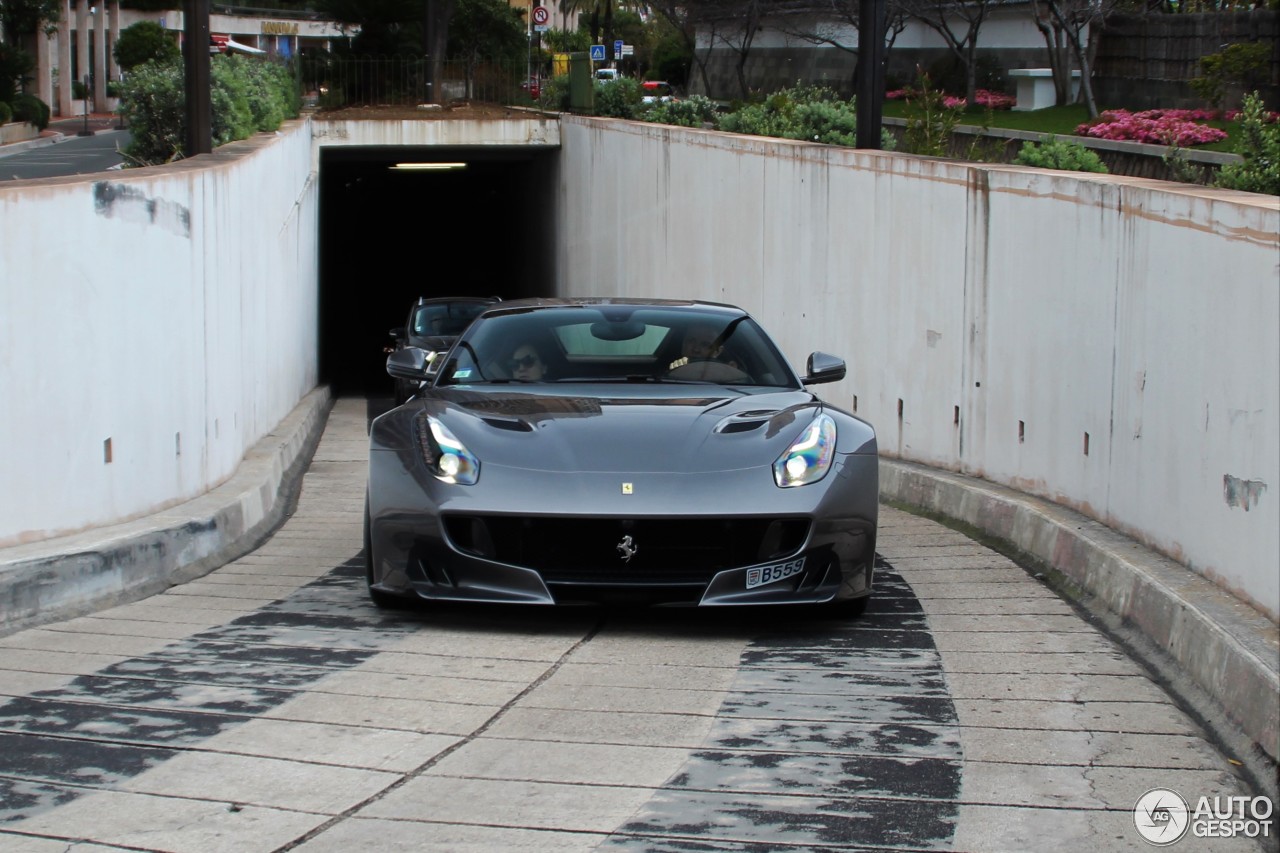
{"x": 389, "y": 235}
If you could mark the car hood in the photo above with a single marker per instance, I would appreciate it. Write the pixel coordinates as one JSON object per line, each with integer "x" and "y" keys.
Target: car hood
{"x": 695, "y": 430}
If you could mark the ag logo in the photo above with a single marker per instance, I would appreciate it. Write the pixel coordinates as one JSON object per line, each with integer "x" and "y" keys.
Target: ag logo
{"x": 1161, "y": 816}
{"x": 627, "y": 548}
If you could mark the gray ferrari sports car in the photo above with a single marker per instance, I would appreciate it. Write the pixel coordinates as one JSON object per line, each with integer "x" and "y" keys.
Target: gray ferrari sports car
{"x": 619, "y": 450}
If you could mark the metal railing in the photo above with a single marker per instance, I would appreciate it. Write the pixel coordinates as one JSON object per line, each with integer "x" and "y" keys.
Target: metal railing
{"x": 349, "y": 81}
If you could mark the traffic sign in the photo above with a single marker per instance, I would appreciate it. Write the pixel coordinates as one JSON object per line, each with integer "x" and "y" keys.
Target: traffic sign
{"x": 541, "y": 15}
{"x": 617, "y": 48}
{"x": 597, "y": 53}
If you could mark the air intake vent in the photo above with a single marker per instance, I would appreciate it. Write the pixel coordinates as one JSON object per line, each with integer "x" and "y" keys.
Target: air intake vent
{"x": 743, "y": 422}
{"x": 512, "y": 424}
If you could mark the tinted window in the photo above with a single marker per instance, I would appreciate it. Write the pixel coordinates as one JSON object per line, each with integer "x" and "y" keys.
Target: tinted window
{"x": 620, "y": 343}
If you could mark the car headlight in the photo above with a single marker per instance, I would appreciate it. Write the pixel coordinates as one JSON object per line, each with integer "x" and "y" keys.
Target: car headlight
{"x": 446, "y": 457}
{"x": 809, "y": 457}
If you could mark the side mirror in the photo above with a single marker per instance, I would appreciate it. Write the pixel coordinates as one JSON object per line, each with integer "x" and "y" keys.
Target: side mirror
{"x": 823, "y": 368}
{"x": 397, "y": 333}
{"x": 409, "y": 363}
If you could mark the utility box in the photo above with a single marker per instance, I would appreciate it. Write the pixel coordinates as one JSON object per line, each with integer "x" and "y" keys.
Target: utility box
{"x": 582, "y": 95}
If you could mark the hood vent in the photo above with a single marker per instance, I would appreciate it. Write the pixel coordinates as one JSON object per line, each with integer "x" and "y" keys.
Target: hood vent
{"x": 512, "y": 424}
{"x": 743, "y": 422}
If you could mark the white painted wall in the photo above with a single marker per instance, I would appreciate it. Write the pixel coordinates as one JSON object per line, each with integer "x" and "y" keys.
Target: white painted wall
{"x": 1146, "y": 314}
{"x": 171, "y": 310}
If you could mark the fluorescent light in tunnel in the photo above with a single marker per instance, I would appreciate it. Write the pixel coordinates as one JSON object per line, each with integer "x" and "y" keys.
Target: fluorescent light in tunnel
{"x": 428, "y": 167}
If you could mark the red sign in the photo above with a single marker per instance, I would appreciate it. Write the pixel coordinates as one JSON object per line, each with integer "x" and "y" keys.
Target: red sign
{"x": 218, "y": 43}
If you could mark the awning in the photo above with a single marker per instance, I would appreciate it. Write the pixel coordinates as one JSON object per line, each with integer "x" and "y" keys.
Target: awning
{"x": 232, "y": 44}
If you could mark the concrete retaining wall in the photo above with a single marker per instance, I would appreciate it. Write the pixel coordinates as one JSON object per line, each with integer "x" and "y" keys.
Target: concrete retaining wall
{"x": 157, "y": 323}
{"x": 1111, "y": 344}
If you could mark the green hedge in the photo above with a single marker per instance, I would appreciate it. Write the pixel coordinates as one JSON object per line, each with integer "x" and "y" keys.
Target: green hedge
{"x": 1055, "y": 153}
{"x": 248, "y": 95}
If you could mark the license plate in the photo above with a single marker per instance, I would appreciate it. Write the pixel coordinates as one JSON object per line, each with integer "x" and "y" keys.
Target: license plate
{"x": 772, "y": 574}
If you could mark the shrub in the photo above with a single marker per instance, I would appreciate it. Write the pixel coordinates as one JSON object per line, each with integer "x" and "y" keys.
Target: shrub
{"x": 1259, "y": 145}
{"x": 1236, "y": 64}
{"x": 554, "y": 94}
{"x": 27, "y": 107}
{"x": 152, "y": 103}
{"x": 271, "y": 92}
{"x": 247, "y": 95}
{"x": 930, "y": 122}
{"x": 79, "y": 90}
{"x": 145, "y": 41}
{"x": 16, "y": 66}
{"x": 230, "y": 94}
{"x": 620, "y": 98}
{"x": 1055, "y": 153}
{"x": 6, "y": 113}
{"x": 694, "y": 111}
{"x": 813, "y": 113}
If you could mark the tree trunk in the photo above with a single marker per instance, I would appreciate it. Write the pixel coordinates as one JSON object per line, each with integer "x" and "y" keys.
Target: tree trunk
{"x": 435, "y": 38}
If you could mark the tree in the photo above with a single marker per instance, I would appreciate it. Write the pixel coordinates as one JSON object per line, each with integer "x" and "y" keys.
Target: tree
{"x": 958, "y": 22}
{"x": 676, "y": 13}
{"x": 488, "y": 30}
{"x": 20, "y": 21}
{"x": 837, "y": 19}
{"x": 1078, "y": 23}
{"x": 670, "y": 53}
{"x": 733, "y": 23}
{"x": 1055, "y": 40}
{"x": 381, "y": 27}
{"x": 143, "y": 42}
{"x": 596, "y": 16}
{"x": 397, "y": 27}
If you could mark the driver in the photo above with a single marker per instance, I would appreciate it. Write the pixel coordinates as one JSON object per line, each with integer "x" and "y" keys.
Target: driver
{"x": 526, "y": 364}
{"x": 700, "y": 343}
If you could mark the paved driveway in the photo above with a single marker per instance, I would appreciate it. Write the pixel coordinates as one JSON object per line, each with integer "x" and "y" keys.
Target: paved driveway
{"x": 270, "y": 706}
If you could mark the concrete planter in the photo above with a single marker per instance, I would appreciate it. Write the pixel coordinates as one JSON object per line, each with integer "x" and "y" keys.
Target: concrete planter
{"x": 17, "y": 131}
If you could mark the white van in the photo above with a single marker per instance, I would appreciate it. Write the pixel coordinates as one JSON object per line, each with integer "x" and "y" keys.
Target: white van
{"x": 606, "y": 75}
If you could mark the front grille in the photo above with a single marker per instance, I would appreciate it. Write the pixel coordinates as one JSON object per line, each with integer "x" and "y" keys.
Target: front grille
{"x": 586, "y": 550}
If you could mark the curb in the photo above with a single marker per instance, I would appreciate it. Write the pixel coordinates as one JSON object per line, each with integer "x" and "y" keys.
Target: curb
{"x": 1227, "y": 649}
{"x": 28, "y": 144}
{"x": 73, "y": 575}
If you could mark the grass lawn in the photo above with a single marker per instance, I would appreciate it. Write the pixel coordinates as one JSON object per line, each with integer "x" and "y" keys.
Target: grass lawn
{"x": 1057, "y": 121}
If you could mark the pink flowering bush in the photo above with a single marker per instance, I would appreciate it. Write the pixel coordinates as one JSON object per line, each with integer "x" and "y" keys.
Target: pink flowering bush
{"x": 1157, "y": 127}
{"x": 984, "y": 97}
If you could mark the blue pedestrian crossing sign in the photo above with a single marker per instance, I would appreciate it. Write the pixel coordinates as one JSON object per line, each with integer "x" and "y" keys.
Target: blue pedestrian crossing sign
{"x": 597, "y": 53}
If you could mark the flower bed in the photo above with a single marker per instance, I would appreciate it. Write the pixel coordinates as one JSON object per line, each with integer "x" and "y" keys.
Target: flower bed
{"x": 1157, "y": 127}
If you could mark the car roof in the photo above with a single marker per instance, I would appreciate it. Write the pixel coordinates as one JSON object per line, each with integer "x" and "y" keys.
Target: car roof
{"x": 524, "y": 305}
{"x": 440, "y": 300}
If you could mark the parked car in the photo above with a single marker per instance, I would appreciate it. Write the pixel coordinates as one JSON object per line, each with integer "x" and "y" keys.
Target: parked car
{"x": 607, "y": 75}
{"x": 433, "y": 325}
{"x": 619, "y": 450}
{"x": 653, "y": 91}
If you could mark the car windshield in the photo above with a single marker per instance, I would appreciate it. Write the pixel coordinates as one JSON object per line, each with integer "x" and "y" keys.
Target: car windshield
{"x": 446, "y": 318}
{"x": 617, "y": 343}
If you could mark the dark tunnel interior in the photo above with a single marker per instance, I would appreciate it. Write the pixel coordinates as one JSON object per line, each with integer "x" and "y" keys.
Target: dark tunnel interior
{"x": 389, "y": 235}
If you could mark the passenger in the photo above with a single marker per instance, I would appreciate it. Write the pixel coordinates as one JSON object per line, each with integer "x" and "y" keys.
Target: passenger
{"x": 526, "y": 364}
{"x": 701, "y": 343}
